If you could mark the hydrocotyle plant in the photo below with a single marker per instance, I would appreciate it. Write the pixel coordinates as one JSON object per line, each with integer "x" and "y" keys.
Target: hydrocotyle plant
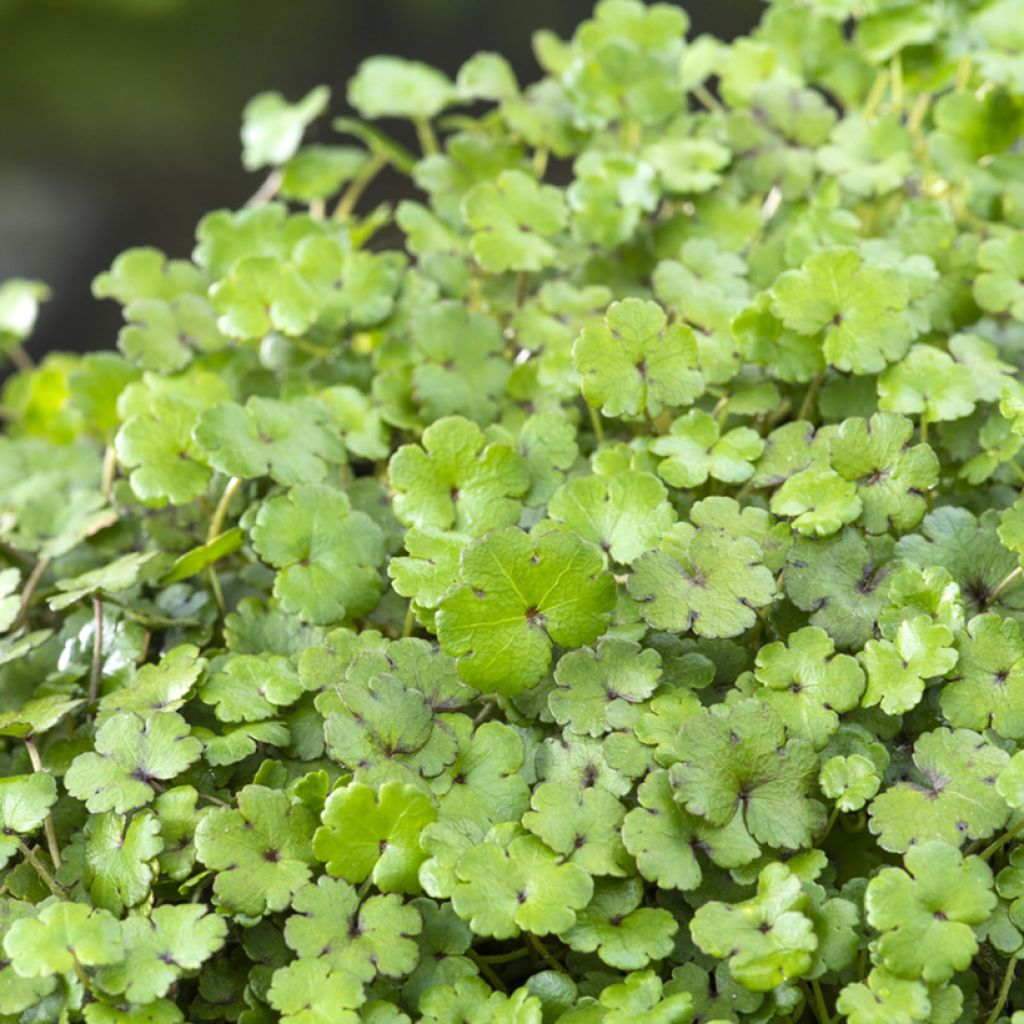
{"x": 589, "y": 591}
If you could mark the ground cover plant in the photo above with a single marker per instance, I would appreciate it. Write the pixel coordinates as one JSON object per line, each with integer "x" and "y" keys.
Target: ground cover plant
{"x": 590, "y": 591}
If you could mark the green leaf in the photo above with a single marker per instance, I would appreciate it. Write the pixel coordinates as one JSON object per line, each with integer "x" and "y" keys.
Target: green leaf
{"x": 766, "y": 939}
{"x": 807, "y": 684}
{"x": 111, "y": 579}
{"x": 327, "y": 555}
{"x": 987, "y": 689}
{"x": 292, "y": 442}
{"x": 695, "y": 449}
{"x": 624, "y": 514}
{"x": 160, "y": 947}
{"x": 600, "y": 690}
{"x": 624, "y": 935}
{"x": 1000, "y": 286}
{"x": 665, "y": 839}
{"x": 455, "y": 482}
{"x": 926, "y": 914}
{"x": 738, "y": 762}
{"x": 884, "y": 999}
{"x": 951, "y": 797}
{"x": 375, "y": 835}
{"x": 393, "y": 87}
{"x": 897, "y": 669}
{"x": 856, "y": 310}
{"x": 120, "y": 860}
{"x": 133, "y": 756}
{"x": 62, "y": 936}
{"x": 512, "y": 219}
{"x": 19, "y": 308}
{"x": 635, "y": 362}
{"x": 580, "y": 824}
{"x": 524, "y": 886}
{"x": 25, "y": 801}
{"x": 310, "y": 991}
{"x": 892, "y": 476}
{"x": 362, "y": 939}
{"x": 272, "y": 128}
{"x": 262, "y": 852}
{"x": 702, "y": 580}
{"x": 516, "y": 596}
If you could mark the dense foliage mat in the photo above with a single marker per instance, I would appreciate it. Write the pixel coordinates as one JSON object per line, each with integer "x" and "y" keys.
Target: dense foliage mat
{"x": 588, "y": 592}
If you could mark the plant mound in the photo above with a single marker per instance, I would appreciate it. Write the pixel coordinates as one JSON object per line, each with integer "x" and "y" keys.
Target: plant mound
{"x": 588, "y": 592}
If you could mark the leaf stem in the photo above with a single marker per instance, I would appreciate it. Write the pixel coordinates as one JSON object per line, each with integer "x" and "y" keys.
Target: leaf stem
{"x": 410, "y": 621}
{"x": 426, "y": 136}
{"x": 48, "y": 880}
{"x": 545, "y": 954}
{"x": 522, "y": 282}
{"x": 922, "y": 428}
{"x": 994, "y": 848}
{"x": 221, "y": 511}
{"x": 810, "y": 397}
{"x": 485, "y": 712}
{"x": 708, "y": 100}
{"x": 897, "y": 85}
{"x": 875, "y": 95}
{"x": 96, "y": 672}
{"x": 819, "y": 1001}
{"x": 21, "y": 359}
{"x": 51, "y": 833}
{"x": 540, "y": 162}
{"x": 268, "y": 189}
{"x": 832, "y": 819}
{"x": 503, "y": 958}
{"x": 109, "y": 470}
{"x": 1004, "y": 990}
{"x": 1008, "y": 580}
{"x": 30, "y": 587}
{"x": 358, "y": 185}
{"x": 595, "y": 422}
{"x": 487, "y": 971}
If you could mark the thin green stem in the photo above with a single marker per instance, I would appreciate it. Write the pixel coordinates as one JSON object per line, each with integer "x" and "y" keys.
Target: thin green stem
{"x": 503, "y": 958}
{"x": 832, "y": 819}
{"x": 993, "y": 848}
{"x": 268, "y": 189}
{"x": 485, "y": 712}
{"x": 47, "y": 879}
{"x": 96, "y": 673}
{"x": 221, "y": 511}
{"x": 30, "y": 588}
{"x": 358, "y": 185}
{"x": 816, "y": 999}
{"x": 21, "y": 359}
{"x": 426, "y": 136}
{"x": 1004, "y": 990}
{"x": 922, "y": 428}
{"x": 410, "y": 621}
{"x": 1007, "y": 581}
{"x": 811, "y": 396}
{"x": 50, "y": 832}
{"x": 522, "y": 285}
{"x": 595, "y": 422}
{"x": 487, "y": 971}
{"x": 897, "y": 85}
{"x": 540, "y": 162}
{"x": 708, "y": 100}
{"x": 876, "y": 94}
{"x": 109, "y": 470}
{"x": 216, "y": 525}
{"x": 545, "y": 954}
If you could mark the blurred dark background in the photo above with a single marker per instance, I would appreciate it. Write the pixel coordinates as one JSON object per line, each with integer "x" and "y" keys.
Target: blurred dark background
{"x": 119, "y": 119}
